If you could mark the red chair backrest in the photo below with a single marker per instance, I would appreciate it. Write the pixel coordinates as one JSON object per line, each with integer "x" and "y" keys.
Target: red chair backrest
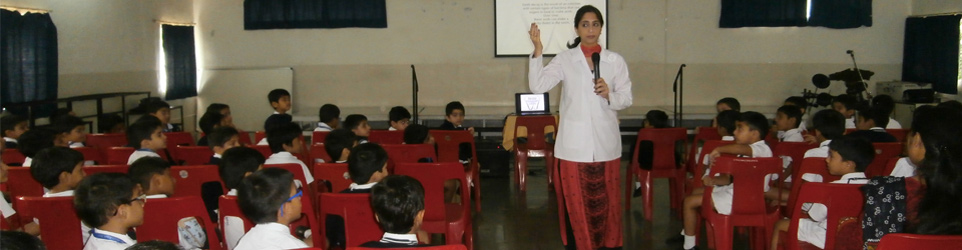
{"x": 441, "y": 247}
{"x": 535, "y": 126}
{"x": 90, "y": 154}
{"x": 898, "y": 133}
{"x": 60, "y": 225}
{"x": 191, "y": 178}
{"x": 244, "y": 138}
{"x": 359, "y": 223}
{"x": 749, "y": 175}
{"x": 449, "y": 142}
{"x": 408, "y": 153}
{"x": 663, "y": 140}
{"x": 264, "y": 149}
{"x": 334, "y": 173}
{"x": 259, "y": 135}
{"x": 883, "y": 152}
{"x": 106, "y": 140}
{"x": 161, "y": 217}
{"x": 95, "y": 169}
{"x": 796, "y": 150}
{"x": 432, "y": 177}
{"x": 21, "y": 183}
{"x": 118, "y": 155}
{"x": 706, "y": 148}
{"x": 319, "y": 152}
{"x": 895, "y": 241}
{"x": 890, "y": 166}
{"x": 810, "y": 165}
{"x": 842, "y": 200}
{"x": 13, "y": 156}
{"x": 386, "y": 136}
{"x": 849, "y": 130}
{"x": 179, "y": 139}
{"x": 227, "y": 206}
{"x": 702, "y": 135}
{"x": 192, "y": 155}
{"x": 319, "y": 136}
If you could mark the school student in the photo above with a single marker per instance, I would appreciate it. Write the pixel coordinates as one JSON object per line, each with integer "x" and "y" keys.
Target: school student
{"x": 274, "y": 121}
{"x": 237, "y": 163}
{"x": 161, "y": 110}
{"x": 221, "y": 139}
{"x": 886, "y": 104}
{"x": 147, "y": 137}
{"x": 270, "y": 199}
{"x": 399, "y": 118}
{"x": 13, "y": 126}
{"x": 59, "y": 170}
{"x": 359, "y": 125}
{"x": 846, "y": 104}
{"x": 35, "y": 140}
{"x": 280, "y": 101}
{"x": 339, "y": 143}
{"x": 787, "y": 121}
{"x": 802, "y": 106}
{"x": 111, "y": 124}
{"x": 398, "y": 203}
{"x": 285, "y": 141}
{"x": 113, "y": 205}
{"x": 367, "y": 165}
{"x": 871, "y": 124}
{"x": 152, "y": 174}
{"x": 330, "y": 118}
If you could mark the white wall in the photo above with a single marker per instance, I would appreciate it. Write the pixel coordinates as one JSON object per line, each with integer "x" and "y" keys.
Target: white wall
{"x": 925, "y": 7}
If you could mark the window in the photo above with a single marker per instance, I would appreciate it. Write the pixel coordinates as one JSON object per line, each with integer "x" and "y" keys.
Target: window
{"x": 177, "y": 75}
{"x": 932, "y": 52}
{"x": 838, "y": 14}
{"x": 28, "y": 62}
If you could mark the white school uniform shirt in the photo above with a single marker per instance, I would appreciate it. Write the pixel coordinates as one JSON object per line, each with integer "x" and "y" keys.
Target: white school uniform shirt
{"x": 722, "y": 195}
{"x": 850, "y": 122}
{"x": 27, "y": 162}
{"x": 192, "y": 235}
{"x": 409, "y": 239}
{"x": 218, "y": 156}
{"x": 104, "y": 240}
{"x": 233, "y": 227}
{"x": 323, "y": 127}
{"x": 893, "y": 124}
{"x": 5, "y": 209}
{"x": 76, "y": 144}
{"x": 803, "y": 126}
{"x": 812, "y": 230}
{"x": 791, "y": 135}
{"x": 285, "y": 157}
{"x": 141, "y": 153}
{"x": 269, "y": 236}
{"x": 8, "y": 139}
{"x": 263, "y": 141}
{"x": 84, "y": 229}
{"x": 903, "y": 168}
{"x": 588, "y": 131}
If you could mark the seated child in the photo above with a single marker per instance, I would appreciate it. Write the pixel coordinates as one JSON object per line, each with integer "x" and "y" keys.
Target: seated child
{"x": 280, "y": 100}
{"x": 70, "y": 130}
{"x": 367, "y": 166}
{"x": 871, "y": 124}
{"x": 35, "y": 140}
{"x": 646, "y": 149}
{"x": 223, "y": 109}
{"x": 152, "y": 174}
{"x": 454, "y": 120}
{"x": 750, "y": 130}
{"x": 330, "y": 118}
{"x": 787, "y": 121}
{"x": 358, "y": 124}
{"x": 161, "y": 110}
{"x": 802, "y": 105}
{"x": 221, "y": 139}
{"x": 339, "y": 143}
{"x": 886, "y": 104}
{"x": 398, "y": 203}
{"x": 207, "y": 124}
{"x": 147, "y": 137}
{"x": 848, "y": 158}
{"x": 285, "y": 141}
{"x": 237, "y": 163}
{"x": 399, "y": 118}
{"x": 274, "y": 121}
{"x": 13, "y": 126}
{"x": 827, "y": 125}
{"x": 726, "y": 129}
{"x": 112, "y": 204}
{"x": 846, "y": 104}
{"x": 418, "y": 134}
{"x": 7, "y": 211}
{"x": 111, "y": 124}
{"x": 727, "y": 103}
{"x": 59, "y": 113}
{"x": 59, "y": 170}
{"x": 270, "y": 199}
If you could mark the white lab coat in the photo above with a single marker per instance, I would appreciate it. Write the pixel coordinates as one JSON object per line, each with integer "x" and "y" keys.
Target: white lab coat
{"x": 588, "y": 131}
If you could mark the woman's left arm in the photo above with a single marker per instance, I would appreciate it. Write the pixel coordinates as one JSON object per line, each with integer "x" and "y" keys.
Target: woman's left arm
{"x": 619, "y": 95}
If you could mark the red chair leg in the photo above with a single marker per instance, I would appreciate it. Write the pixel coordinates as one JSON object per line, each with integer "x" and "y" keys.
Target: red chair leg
{"x": 521, "y": 169}
{"x": 646, "y": 193}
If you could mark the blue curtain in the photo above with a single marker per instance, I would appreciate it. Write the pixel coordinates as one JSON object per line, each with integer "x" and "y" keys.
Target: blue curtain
{"x": 181, "y": 62}
{"x": 762, "y": 13}
{"x": 28, "y": 61}
{"x": 931, "y": 53}
{"x": 309, "y": 14}
{"x": 841, "y": 14}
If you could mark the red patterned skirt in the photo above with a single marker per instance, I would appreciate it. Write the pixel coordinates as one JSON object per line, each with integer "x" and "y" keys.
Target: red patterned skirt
{"x": 590, "y": 194}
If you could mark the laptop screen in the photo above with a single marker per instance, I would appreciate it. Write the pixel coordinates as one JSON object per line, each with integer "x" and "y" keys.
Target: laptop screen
{"x": 531, "y": 104}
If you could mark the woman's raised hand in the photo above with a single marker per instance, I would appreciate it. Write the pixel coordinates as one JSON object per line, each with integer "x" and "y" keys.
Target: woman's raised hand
{"x": 535, "y": 35}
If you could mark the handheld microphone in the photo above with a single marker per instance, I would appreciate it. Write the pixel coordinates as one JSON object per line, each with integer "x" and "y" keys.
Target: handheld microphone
{"x": 596, "y": 60}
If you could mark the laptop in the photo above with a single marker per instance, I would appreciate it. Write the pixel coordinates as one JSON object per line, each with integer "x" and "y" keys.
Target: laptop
{"x": 531, "y": 104}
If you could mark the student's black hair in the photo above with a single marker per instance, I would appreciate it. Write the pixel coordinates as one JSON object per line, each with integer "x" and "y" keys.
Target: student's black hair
{"x": 9, "y": 122}
{"x": 398, "y": 113}
{"x": 581, "y": 14}
{"x": 657, "y": 118}
{"x": 17, "y": 240}
{"x": 878, "y": 116}
{"x": 337, "y": 140}
{"x": 797, "y": 101}
{"x": 142, "y": 130}
{"x": 220, "y": 136}
{"x": 50, "y": 162}
{"x": 846, "y": 100}
{"x": 455, "y": 105}
{"x": 353, "y": 120}
{"x": 98, "y": 196}
{"x": 364, "y": 161}
{"x": 60, "y": 113}
{"x": 154, "y": 245}
{"x": 236, "y": 162}
{"x": 34, "y": 140}
{"x": 276, "y": 94}
{"x": 209, "y": 121}
{"x": 328, "y": 113}
{"x": 152, "y": 105}
{"x": 283, "y": 135}
{"x": 143, "y": 169}
{"x": 65, "y": 124}
{"x": 216, "y": 107}
{"x": 726, "y": 119}
{"x": 830, "y": 123}
{"x": 397, "y": 200}
{"x": 277, "y": 120}
{"x": 755, "y": 121}
{"x": 940, "y": 210}
{"x": 855, "y": 149}
{"x": 262, "y": 193}
{"x": 951, "y": 105}
{"x": 731, "y": 102}
{"x": 791, "y": 111}
{"x": 107, "y": 122}
{"x": 884, "y": 103}
{"x": 415, "y": 134}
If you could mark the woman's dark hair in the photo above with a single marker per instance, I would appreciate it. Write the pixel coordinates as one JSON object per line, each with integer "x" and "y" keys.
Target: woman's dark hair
{"x": 940, "y": 211}
{"x": 581, "y": 14}
{"x": 657, "y": 118}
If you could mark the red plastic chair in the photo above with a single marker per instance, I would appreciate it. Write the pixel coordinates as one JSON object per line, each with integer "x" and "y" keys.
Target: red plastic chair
{"x": 95, "y": 169}
{"x": 12, "y": 156}
{"x": 897, "y": 241}
{"x": 60, "y": 225}
{"x": 811, "y": 165}
{"x": 264, "y": 149}
{"x": 227, "y": 206}
{"x": 842, "y": 200}
{"x": 319, "y": 152}
{"x": 748, "y": 204}
{"x": 179, "y": 139}
{"x": 890, "y": 166}
{"x": 703, "y": 135}
{"x": 386, "y": 137}
{"x": 90, "y": 154}
{"x": 699, "y": 169}
{"x": 899, "y": 134}
{"x": 883, "y": 152}
{"x": 449, "y": 145}
{"x": 334, "y": 173}
{"x": 535, "y": 146}
{"x": 192, "y": 155}
{"x": 663, "y": 166}
{"x": 160, "y": 219}
{"x": 309, "y": 214}
{"x": 795, "y": 150}
{"x": 453, "y": 220}
{"x": 191, "y": 178}
{"x": 118, "y": 155}
{"x": 244, "y": 137}
{"x": 21, "y": 183}
{"x": 359, "y": 223}
{"x": 850, "y": 130}
{"x": 408, "y": 153}
{"x": 319, "y": 136}
{"x": 103, "y": 142}
{"x": 259, "y": 135}
{"x": 442, "y": 247}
